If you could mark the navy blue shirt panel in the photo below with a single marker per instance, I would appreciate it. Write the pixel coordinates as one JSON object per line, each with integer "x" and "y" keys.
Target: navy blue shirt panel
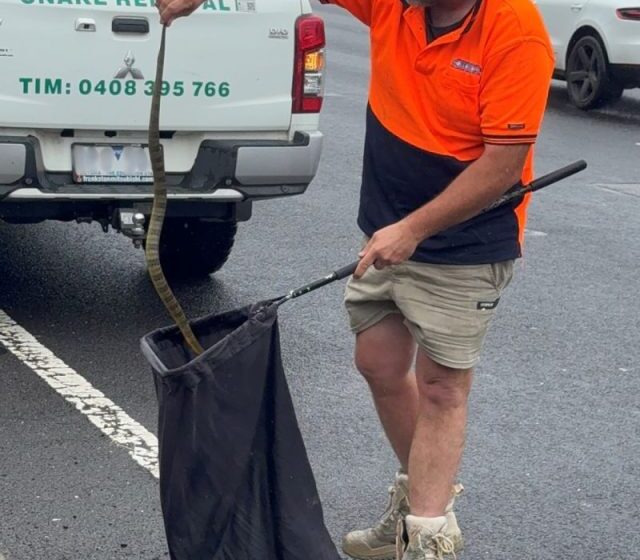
{"x": 398, "y": 178}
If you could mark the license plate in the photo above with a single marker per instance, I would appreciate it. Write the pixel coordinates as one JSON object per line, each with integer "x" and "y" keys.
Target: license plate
{"x": 111, "y": 163}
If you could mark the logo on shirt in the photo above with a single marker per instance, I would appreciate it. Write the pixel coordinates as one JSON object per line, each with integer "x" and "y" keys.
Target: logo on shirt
{"x": 466, "y": 66}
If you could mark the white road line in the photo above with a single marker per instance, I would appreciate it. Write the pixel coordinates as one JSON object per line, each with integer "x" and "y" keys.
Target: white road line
{"x": 535, "y": 233}
{"x": 114, "y": 422}
{"x": 629, "y": 189}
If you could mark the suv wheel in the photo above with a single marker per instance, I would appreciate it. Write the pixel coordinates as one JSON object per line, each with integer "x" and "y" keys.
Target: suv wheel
{"x": 193, "y": 248}
{"x": 589, "y": 80}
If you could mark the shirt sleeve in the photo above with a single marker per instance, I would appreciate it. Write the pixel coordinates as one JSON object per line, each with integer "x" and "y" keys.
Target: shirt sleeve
{"x": 514, "y": 93}
{"x": 359, "y": 8}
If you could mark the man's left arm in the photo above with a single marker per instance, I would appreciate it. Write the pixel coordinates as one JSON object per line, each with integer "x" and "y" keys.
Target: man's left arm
{"x": 512, "y": 103}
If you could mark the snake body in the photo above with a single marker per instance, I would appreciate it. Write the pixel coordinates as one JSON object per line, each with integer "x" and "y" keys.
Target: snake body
{"x": 152, "y": 252}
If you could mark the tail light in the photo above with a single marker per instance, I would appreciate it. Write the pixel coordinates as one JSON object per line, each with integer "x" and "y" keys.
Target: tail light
{"x": 629, "y": 13}
{"x": 308, "y": 72}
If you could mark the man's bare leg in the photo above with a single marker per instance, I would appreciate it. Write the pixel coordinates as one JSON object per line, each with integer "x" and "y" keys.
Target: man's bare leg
{"x": 384, "y": 356}
{"x": 439, "y": 435}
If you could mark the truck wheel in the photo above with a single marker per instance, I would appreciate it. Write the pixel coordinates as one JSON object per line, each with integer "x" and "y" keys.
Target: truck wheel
{"x": 193, "y": 248}
{"x": 589, "y": 81}
{"x": 615, "y": 92}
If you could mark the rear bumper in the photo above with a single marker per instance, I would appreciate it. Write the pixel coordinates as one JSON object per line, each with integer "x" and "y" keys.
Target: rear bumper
{"x": 223, "y": 171}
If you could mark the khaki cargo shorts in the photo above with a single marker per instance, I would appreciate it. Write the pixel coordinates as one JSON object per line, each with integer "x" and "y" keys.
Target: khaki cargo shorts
{"x": 447, "y": 308}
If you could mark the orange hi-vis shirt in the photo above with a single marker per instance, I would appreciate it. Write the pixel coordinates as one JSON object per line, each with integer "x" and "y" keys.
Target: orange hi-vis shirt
{"x": 434, "y": 105}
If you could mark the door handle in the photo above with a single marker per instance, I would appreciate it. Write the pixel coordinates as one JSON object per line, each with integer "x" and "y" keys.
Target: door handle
{"x": 139, "y": 25}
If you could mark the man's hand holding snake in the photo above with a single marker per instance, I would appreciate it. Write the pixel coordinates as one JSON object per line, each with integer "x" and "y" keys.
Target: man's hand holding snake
{"x": 173, "y": 9}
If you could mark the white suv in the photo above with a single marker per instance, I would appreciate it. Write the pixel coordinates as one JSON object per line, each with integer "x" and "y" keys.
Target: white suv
{"x": 239, "y": 119}
{"x": 597, "y": 47}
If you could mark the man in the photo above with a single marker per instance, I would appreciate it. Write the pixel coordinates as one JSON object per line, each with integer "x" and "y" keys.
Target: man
{"x": 457, "y": 95}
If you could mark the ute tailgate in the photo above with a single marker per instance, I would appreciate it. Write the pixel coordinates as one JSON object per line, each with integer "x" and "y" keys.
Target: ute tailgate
{"x": 90, "y": 64}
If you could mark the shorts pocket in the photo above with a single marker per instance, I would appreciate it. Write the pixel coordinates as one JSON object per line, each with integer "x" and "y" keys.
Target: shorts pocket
{"x": 502, "y": 274}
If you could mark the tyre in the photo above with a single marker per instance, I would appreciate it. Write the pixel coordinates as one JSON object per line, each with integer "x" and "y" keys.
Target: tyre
{"x": 615, "y": 92}
{"x": 191, "y": 248}
{"x": 589, "y": 81}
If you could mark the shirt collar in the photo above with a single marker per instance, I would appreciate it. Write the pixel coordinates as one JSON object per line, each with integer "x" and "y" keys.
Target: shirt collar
{"x": 414, "y": 16}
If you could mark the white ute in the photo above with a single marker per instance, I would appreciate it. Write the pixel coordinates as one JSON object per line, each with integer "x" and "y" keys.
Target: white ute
{"x": 239, "y": 117}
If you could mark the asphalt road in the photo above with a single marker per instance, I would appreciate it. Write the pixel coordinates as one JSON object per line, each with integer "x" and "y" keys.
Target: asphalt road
{"x": 553, "y": 457}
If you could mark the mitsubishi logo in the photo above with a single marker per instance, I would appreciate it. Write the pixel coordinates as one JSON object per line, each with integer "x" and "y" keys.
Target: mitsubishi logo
{"x": 117, "y": 151}
{"x": 124, "y": 71}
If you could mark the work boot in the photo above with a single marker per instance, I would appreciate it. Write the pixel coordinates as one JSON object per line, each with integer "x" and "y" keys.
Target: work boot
{"x": 424, "y": 538}
{"x": 379, "y": 542}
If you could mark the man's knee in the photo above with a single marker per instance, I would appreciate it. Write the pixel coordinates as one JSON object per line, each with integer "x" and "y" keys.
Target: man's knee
{"x": 441, "y": 386}
{"x": 441, "y": 394}
{"x": 375, "y": 371}
{"x": 378, "y": 366}
{"x": 384, "y": 353}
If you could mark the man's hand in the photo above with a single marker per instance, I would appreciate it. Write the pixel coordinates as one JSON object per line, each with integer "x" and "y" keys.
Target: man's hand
{"x": 391, "y": 245}
{"x": 172, "y": 9}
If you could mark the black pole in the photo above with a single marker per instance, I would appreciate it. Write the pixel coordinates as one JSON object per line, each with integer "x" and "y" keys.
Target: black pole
{"x": 535, "y": 185}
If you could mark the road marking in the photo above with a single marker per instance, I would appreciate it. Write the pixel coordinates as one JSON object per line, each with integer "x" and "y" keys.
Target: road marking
{"x": 535, "y": 233}
{"x": 629, "y": 189}
{"x": 103, "y": 413}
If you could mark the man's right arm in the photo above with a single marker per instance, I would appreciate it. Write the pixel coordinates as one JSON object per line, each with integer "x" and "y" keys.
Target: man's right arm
{"x": 359, "y": 8}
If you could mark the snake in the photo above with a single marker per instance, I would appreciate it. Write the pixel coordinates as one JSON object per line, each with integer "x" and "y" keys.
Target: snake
{"x": 159, "y": 210}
